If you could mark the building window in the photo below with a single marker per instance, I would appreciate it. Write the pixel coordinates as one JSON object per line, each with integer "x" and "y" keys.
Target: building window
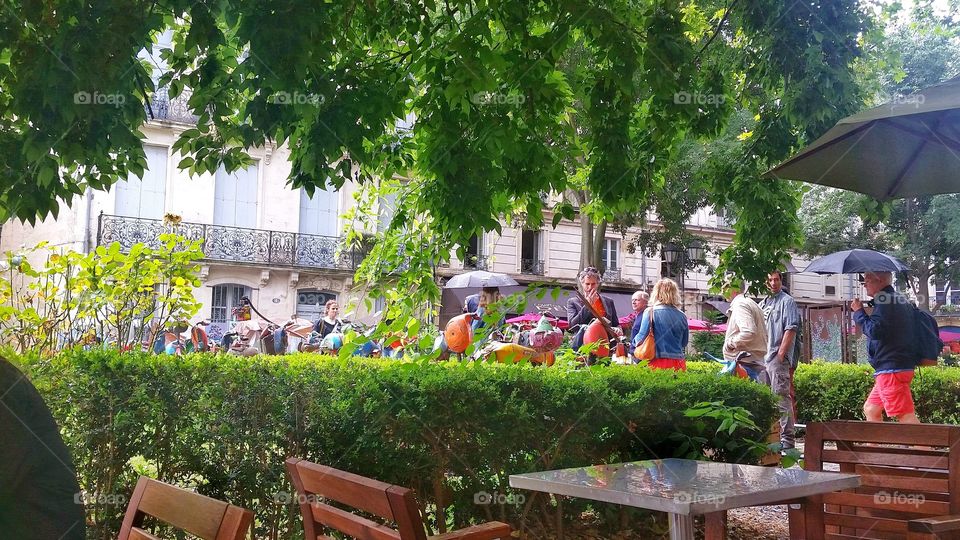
{"x": 318, "y": 214}
{"x": 941, "y": 292}
{"x": 724, "y": 220}
{"x": 387, "y": 209}
{"x": 474, "y": 257}
{"x": 610, "y": 255}
{"x": 830, "y": 290}
{"x": 531, "y": 252}
{"x": 311, "y": 303}
{"x": 235, "y": 198}
{"x": 144, "y": 197}
{"x": 225, "y": 298}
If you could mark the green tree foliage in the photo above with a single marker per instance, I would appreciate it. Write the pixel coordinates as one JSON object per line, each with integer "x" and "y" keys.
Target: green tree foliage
{"x": 483, "y": 80}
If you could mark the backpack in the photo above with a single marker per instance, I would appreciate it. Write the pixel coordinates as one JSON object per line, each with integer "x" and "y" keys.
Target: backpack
{"x": 927, "y": 336}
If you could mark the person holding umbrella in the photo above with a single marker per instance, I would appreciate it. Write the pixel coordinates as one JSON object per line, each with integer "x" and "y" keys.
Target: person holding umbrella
{"x": 890, "y": 349}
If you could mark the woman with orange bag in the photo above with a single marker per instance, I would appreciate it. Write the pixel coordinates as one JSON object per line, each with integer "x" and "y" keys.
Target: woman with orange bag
{"x": 669, "y": 328}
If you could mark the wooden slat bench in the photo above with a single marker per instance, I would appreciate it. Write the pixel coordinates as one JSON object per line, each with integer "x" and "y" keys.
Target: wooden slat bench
{"x": 317, "y": 485}
{"x": 910, "y": 483}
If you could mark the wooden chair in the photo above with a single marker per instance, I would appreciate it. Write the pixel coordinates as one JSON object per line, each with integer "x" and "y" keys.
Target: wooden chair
{"x": 910, "y": 482}
{"x": 395, "y": 504}
{"x": 196, "y": 514}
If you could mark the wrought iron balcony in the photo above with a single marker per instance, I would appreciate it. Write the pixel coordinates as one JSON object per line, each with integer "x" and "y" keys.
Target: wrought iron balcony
{"x": 531, "y": 266}
{"x": 477, "y": 262}
{"x": 171, "y": 110}
{"x": 237, "y": 244}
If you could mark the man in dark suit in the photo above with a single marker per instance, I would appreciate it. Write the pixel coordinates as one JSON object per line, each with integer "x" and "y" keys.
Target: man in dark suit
{"x": 580, "y": 315}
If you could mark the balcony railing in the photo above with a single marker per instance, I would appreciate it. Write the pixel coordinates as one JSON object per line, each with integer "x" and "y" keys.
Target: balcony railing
{"x": 236, "y": 244}
{"x": 171, "y": 110}
{"x": 531, "y": 266}
{"x": 477, "y": 262}
{"x": 611, "y": 275}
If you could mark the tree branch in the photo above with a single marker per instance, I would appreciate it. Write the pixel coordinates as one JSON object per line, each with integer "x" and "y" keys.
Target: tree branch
{"x": 716, "y": 31}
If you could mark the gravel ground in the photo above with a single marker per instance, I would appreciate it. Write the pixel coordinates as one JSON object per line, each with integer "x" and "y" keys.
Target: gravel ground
{"x": 758, "y": 523}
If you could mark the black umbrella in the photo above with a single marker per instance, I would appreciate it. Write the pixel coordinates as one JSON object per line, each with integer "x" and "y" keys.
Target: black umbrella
{"x": 856, "y": 261}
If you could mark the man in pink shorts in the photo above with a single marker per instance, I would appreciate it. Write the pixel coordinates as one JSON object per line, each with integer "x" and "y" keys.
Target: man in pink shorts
{"x": 890, "y": 349}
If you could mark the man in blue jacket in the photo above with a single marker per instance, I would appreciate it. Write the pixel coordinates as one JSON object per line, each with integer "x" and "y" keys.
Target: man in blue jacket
{"x": 890, "y": 349}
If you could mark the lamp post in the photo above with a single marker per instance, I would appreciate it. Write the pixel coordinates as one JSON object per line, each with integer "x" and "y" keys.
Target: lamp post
{"x": 673, "y": 253}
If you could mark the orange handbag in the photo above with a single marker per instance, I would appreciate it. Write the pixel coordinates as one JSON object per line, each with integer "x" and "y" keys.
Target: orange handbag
{"x": 647, "y": 349}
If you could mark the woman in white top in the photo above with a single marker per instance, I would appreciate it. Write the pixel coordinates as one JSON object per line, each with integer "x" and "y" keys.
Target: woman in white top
{"x": 330, "y": 322}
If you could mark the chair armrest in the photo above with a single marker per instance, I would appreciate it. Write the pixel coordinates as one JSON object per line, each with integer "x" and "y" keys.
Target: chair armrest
{"x": 934, "y": 525}
{"x": 485, "y": 531}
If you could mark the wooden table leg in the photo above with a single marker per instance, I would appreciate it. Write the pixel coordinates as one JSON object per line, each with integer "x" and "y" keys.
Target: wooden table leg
{"x": 715, "y": 525}
{"x": 681, "y": 526}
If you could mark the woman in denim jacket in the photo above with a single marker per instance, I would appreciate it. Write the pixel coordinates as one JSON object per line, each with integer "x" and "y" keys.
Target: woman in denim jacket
{"x": 670, "y": 330}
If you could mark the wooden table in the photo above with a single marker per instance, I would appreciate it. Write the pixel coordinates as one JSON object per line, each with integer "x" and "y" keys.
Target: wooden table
{"x": 684, "y": 487}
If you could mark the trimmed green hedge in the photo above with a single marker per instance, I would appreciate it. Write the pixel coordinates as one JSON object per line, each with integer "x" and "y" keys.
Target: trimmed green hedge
{"x": 450, "y": 431}
{"x": 827, "y": 391}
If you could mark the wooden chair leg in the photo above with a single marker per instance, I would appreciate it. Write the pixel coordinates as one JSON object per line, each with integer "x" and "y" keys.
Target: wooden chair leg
{"x": 797, "y": 520}
{"x": 715, "y": 525}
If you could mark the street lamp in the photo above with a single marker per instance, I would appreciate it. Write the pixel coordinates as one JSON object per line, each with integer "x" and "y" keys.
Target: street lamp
{"x": 673, "y": 253}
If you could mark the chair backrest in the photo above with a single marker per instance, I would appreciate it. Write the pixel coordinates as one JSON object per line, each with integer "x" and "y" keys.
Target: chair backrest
{"x": 318, "y": 484}
{"x": 907, "y": 471}
{"x": 196, "y": 514}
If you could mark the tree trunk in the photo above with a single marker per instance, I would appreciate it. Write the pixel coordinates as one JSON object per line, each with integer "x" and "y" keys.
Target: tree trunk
{"x": 599, "y": 239}
{"x": 586, "y": 240}
{"x": 923, "y": 290}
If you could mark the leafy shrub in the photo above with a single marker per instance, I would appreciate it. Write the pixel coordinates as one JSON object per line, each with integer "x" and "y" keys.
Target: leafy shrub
{"x": 707, "y": 342}
{"x": 450, "y": 430}
{"x": 123, "y": 298}
{"x": 830, "y": 391}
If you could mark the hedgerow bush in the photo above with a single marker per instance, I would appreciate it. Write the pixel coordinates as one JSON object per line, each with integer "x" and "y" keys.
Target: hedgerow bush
{"x": 225, "y": 425}
{"x": 828, "y": 391}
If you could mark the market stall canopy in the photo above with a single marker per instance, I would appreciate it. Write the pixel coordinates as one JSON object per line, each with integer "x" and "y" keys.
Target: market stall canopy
{"x": 908, "y": 147}
{"x": 534, "y": 318}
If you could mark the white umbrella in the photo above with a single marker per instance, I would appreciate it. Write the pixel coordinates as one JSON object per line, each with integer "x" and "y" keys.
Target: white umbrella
{"x": 479, "y": 279}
